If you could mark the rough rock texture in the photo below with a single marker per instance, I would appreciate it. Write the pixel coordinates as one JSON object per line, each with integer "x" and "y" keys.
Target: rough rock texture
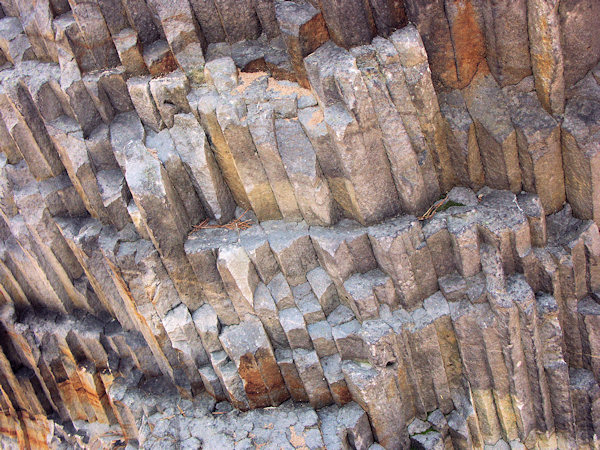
{"x": 299, "y": 224}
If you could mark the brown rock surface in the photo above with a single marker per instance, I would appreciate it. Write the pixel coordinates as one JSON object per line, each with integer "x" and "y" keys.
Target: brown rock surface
{"x": 204, "y": 210}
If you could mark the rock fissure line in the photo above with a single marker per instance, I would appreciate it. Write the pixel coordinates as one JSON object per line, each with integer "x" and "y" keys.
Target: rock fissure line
{"x": 210, "y": 235}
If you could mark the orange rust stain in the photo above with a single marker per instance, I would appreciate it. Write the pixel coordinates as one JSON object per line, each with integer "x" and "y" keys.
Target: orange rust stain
{"x": 468, "y": 40}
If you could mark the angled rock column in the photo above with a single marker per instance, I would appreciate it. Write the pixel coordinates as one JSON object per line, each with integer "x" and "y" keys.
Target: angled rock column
{"x": 248, "y": 346}
{"x": 197, "y": 156}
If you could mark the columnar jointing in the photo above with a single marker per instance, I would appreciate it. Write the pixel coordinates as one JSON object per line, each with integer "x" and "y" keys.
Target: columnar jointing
{"x": 299, "y": 224}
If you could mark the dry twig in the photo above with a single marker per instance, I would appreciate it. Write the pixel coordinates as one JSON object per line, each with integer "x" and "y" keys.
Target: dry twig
{"x": 235, "y": 224}
{"x": 434, "y": 209}
{"x": 153, "y": 152}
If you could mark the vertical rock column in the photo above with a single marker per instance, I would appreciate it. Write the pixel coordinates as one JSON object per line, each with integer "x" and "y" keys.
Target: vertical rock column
{"x": 248, "y": 346}
{"x": 304, "y": 31}
{"x": 546, "y": 53}
{"x": 413, "y": 58}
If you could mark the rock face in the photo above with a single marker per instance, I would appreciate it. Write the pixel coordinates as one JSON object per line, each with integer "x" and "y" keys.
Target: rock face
{"x": 303, "y": 223}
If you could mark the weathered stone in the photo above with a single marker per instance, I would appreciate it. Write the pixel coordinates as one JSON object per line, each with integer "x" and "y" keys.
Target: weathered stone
{"x": 539, "y": 149}
{"x": 100, "y": 150}
{"x": 347, "y": 339}
{"x": 278, "y": 61}
{"x": 136, "y": 218}
{"x": 222, "y": 73}
{"x": 14, "y": 44}
{"x": 206, "y": 13}
{"x": 554, "y": 364}
{"x": 418, "y": 81}
{"x": 453, "y": 286}
{"x": 211, "y": 383}
{"x": 292, "y": 248}
{"x": 467, "y": 31}
{"x": 324, "y": 289}
{"x": 255, "y": 242}
{"x": 581, "y": 51}
{"x": 204, "y": 103}
{"x": 115, "y": 196}
{"x": 350, "y": 24}
{"x": 130, "y": 52}
{"x": 343, "y": 250}
{"x": 332, "y": 369}
{"x": 290, "y": 375}
{"x": 365, "y": 292}
{"x": 303, "y": 30}
{"x": 431, "y": 21}
{"x": 197, "y": 157}
{"x": 282, "y": 294}
{"x": 266, "y": 310}
{"x": 579, "y": 153}
{"x": 239, "y": 277}
{"x": 322, "y": 339}
{"x": 294, "y": 326}
{"x": 399, "y": 248}
{"x": 159, "y": 58}
{"x": 239, "y": 20}
{"x": 428, "y": 362}
{"x": 249, "y": 56}
{"x": 105, "y": 321}
{"x": 181, "y": 329}
{"x": 168, "y": 224}
{"x": 376, "y": 392}
{"x": 532, "y": 208}
{"x": 247, "y": 162}
{"x": 163, "y": 146}
{"x": 208, "y": 327}
{"x": 462, "y": 140}
{"x": 584, "y": 394}
{"x": 261, "y": 123}
{"x": 230, "y": 380}
{"x": 248, "y": 346}
{"x": 179, "y": 27}
{"x": 311, "y": 374}
{"x": 201, "y": 249}
{"x": 98, "y": 97}
{"x": 494, "y": 131}
{"x": 312, "y": 120}
{"x": 506, "y": 40}
{"x": 170, "y": 95}
{"x": 546, "y": 52}
{"x": 375, "y": 197}
{"x": 35, "y": 147}
{"x": 69, "y": 142}
{"x": 310, "y": 308}
{"x": 311, "y": 189}
{"x": 414, "y": 194}
{"x": 70, "y": 41}
{"x": 139, "y": 90}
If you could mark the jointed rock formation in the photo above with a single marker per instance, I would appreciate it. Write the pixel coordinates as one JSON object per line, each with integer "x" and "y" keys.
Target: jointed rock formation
{"x": 221, "y": 224}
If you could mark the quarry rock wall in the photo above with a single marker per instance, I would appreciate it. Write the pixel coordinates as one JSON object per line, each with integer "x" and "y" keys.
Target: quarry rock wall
{"x": 299, "y": 224}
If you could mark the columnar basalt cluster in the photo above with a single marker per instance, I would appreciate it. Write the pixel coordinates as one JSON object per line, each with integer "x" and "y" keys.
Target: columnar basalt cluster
{"x": 221, "y": 224}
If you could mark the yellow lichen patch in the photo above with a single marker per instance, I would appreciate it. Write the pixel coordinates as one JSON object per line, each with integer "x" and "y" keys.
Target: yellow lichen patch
{"x": 246, "y": 79}
{"x": 297, "y": 440}
{"x": 274, "y": 85}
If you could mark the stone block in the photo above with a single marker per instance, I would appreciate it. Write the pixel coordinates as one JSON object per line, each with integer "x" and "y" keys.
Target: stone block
{"x": 322, "y": 339}
{"x": 376, "y": 392}
{"x": 261, "y": 121}
{"x": 311, "y": 373}
{"x": 303, "y": 29}
{"x": 294, "y": 326}
{"x": 248, "y": 346}
{"x": 197, "y": 156}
